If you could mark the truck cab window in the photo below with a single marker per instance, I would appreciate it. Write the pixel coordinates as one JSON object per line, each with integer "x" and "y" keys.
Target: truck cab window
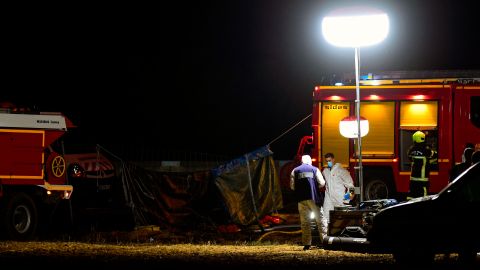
{"x": 406, "y": 141}
{"x": 417, "y": 115}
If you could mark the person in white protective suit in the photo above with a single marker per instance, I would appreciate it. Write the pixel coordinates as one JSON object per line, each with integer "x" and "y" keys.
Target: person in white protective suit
{"x": 306, "y": 181}
{"x": 337, "y": 182}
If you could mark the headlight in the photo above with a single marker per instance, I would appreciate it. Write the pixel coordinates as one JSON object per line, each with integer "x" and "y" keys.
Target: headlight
{"x": 76, "y": 171}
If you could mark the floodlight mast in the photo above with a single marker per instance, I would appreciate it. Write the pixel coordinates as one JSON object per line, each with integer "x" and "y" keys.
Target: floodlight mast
{"x": 346, "y": 28}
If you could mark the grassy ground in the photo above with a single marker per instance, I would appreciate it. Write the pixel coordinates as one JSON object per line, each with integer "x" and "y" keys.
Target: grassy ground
{"x": 151, "y": 247}
{"x": 274, "y": 247}
{"x": 212, "y": 255}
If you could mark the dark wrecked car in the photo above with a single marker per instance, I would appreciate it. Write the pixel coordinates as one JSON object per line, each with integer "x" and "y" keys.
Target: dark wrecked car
{"x": 416, "y": 230}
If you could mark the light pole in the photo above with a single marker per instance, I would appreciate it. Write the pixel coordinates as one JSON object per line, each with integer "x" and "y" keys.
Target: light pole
{"x": 356, "y": 27}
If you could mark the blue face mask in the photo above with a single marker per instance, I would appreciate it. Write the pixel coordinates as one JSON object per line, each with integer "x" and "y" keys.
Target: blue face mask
{"x": 330, "y": 164}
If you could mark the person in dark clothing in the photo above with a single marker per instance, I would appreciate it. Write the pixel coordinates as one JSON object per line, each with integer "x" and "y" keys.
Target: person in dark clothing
{"x": 305, "y": 181}
{"x": 421, "y": 157}
{"x": 457, "y": 169}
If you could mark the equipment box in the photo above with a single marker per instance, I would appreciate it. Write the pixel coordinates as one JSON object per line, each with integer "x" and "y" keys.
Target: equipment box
{"x": 340, "y": 219}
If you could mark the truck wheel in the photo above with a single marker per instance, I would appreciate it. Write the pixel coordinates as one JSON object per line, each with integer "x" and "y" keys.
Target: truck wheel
{"x": 285, "y": 171}
{"x": 20, "y": 218}
{"x": 376, "y": 189}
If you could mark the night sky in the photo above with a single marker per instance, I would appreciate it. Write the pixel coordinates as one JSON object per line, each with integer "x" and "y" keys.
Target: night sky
{"x": 215, "y": 77}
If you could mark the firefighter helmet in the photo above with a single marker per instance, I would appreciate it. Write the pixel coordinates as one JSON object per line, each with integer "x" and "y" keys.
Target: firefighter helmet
{"x": 418, "y": 137}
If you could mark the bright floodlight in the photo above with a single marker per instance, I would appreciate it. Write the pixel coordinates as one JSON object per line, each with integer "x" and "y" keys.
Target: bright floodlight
{"x": 355, "y": 27}
{"x": 349, "y": 127}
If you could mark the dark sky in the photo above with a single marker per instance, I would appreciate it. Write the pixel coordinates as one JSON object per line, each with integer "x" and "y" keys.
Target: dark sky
{"x": 217, "y": 77}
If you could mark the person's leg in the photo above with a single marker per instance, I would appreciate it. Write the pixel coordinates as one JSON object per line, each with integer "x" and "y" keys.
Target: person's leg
{"x": 323, "y": 220}
{"x": 319, "y": 220}
{"x": 416, "y": 189}
{"x": 304, "y": 213}
{"x": 424, "y": 185}
{"x": 327, "y": 206}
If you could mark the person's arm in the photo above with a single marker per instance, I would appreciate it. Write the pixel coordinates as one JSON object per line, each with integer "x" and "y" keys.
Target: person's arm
{"x": 320, "y": 179}
{"x": 432, "y": 155}
{"x": 409, "y": 153}
{"x": 347, "y": 179}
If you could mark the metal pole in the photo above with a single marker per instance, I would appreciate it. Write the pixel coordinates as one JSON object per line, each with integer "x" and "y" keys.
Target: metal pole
{"x": 357, "y": 111}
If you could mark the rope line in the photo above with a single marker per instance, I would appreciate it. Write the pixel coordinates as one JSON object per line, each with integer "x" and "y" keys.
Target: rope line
{"x": 288, "y": 130}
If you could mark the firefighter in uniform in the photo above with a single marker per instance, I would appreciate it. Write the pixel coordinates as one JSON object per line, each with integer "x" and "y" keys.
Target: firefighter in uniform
{"x": 421, "y": 156}
{"x": 305, "y": 181}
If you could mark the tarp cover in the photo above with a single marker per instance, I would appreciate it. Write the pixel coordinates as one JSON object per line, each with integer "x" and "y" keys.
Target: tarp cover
{"x": 250, "y": 186}
{"x": 237, "y": 192}
{"x": 172, "y": 198}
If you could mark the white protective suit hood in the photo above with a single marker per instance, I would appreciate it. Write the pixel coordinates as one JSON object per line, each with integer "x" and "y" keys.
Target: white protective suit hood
{"x": 306, "y": 159}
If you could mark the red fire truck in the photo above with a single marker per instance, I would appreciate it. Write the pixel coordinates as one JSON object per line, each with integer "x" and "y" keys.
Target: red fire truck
{"x": 32, "y": 173}
{"x": 446, "y": 109}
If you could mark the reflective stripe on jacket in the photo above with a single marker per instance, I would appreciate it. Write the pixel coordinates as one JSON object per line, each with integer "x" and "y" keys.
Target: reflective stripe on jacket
{"x": 421, "y": 156}
{"x": 306, "y": 180}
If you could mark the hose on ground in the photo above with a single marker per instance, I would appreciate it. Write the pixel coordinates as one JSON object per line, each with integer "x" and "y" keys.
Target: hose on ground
{"x": 285, "y": 232}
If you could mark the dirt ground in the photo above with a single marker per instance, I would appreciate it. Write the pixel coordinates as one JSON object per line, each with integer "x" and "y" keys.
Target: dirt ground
{"x": 274, "y": 247}
{"x": 150, "y": 247}
{"x": 279, "y": 256}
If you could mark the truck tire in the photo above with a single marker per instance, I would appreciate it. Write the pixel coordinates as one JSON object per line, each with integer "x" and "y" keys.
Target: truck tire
{"x": 376, "y": 189}
{"x": 19, "y": 217}
{"x": 285, "y": 171}
{"x": 378, "y": 183}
